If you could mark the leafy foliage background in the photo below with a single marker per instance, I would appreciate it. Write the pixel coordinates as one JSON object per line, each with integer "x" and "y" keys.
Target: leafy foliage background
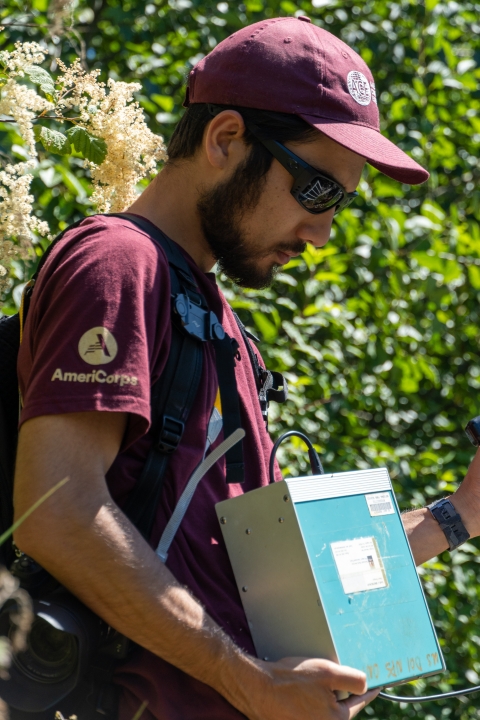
{"x": 377, "y": 332}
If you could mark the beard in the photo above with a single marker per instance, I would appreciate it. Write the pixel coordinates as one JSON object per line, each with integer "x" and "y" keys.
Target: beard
{"x": 221, "y": 209}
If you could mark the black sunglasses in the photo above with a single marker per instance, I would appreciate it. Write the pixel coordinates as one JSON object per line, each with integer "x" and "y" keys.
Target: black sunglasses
{"x": 315, "y": 191}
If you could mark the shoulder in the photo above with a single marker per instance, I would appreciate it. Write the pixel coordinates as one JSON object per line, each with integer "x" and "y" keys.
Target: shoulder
{"x": 108, "y": 237}
{"x": 110, "y": 250}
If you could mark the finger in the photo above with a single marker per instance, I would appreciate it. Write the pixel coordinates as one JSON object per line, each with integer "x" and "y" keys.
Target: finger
{"x": 355, "y": 704}
{"x": 341, "y": 677}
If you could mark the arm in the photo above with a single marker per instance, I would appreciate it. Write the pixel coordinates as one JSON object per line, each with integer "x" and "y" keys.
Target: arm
{"x": 95, "y": 551}
{"x": 424, "y": 533}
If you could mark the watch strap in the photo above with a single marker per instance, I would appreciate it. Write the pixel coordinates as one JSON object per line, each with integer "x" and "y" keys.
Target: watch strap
{"x": 450, "y": 521}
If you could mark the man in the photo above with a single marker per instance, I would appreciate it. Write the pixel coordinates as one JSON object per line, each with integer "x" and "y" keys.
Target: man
{"x": 223, "y": 197}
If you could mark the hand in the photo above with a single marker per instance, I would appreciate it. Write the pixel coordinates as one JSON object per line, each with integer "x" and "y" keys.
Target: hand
{"x": 425, "y": 536}
{"x": 466, "y": 500}
{"x": 306, "y": 689}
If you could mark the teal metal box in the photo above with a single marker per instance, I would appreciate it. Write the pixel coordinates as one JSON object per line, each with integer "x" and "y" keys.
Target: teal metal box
{"x": 324, "y": 569}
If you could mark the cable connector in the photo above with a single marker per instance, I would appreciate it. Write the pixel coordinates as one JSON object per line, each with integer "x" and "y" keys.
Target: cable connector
{"x": 315, "y": 463}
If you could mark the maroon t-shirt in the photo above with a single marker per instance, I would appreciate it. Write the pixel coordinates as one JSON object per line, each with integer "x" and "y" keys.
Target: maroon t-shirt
{"x": 97, "y": 337}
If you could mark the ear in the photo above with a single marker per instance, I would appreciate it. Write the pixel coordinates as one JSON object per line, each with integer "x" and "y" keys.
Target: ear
{"x": 223, "y": 141}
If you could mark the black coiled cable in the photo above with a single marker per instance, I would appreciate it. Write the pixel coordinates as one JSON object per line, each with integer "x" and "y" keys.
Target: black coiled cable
{"x": 315, "y": 464}
{"x": 428, "y": 698}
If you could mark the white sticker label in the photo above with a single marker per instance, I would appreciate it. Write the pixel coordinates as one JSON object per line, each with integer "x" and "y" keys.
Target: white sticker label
{"x": 359, "y": 87}
{"x": 359, "y": 565}
{"x": 380, "y": 504}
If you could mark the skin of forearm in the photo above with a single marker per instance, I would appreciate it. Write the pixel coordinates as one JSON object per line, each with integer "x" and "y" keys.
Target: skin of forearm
{"x": 426, "y": 537}
{"x": 83, "y": 539}
{"x": 100, "y": 556}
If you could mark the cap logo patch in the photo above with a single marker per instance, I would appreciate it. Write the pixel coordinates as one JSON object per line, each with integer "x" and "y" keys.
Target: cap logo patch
{"x": 359, "y": 87}
{"x": 97, "y": 346}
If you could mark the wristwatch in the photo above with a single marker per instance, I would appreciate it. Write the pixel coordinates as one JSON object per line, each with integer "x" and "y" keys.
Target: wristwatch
{"x": 472, "y": 431}
{"x": 450, "y": 522}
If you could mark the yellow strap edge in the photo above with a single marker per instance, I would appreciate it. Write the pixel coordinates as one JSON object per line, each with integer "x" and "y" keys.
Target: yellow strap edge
{"x": 21, "y": 315}
{"x": 21, "y": 311}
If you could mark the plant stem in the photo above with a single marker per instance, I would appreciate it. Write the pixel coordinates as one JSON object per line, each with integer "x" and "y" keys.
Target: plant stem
{"x": 35, "y": 505}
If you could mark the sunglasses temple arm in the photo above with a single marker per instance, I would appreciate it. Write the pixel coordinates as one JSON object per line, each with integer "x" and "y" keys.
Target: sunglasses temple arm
{"x": 290, "y": 162}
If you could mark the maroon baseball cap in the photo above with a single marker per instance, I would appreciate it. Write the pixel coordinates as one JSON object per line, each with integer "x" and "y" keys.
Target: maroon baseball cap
{"x": 290, "y": 65}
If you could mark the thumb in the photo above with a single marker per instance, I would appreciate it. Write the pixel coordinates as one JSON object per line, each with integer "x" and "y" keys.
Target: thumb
{"x": 341, "y": 677}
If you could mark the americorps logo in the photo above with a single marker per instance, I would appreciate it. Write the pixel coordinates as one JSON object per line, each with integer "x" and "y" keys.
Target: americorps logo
{"x": 98, "y": 346}
{"x": 96, "y": 376}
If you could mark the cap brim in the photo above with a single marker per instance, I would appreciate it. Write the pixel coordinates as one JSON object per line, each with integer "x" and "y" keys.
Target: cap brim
{"x": 374, "y": 147}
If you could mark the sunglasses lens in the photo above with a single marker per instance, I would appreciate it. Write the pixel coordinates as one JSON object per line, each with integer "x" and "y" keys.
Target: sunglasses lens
{"x": 347, "y": 200}
{"x": 322, "y": 194}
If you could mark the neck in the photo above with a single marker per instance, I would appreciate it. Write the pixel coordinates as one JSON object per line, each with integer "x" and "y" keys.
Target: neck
{"x": 169, "y": 202}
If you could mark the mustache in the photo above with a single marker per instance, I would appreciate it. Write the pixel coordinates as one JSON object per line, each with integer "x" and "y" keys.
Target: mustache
{"x": 295, "y": 248}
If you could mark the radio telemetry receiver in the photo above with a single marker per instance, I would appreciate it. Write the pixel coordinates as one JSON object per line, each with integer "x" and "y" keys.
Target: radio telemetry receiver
{"x": 324, "y": 569}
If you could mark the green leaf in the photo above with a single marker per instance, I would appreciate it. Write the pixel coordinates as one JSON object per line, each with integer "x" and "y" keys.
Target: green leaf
{"x": 265, "y": 326}
{"x": 72, "y": 182}
{"x": 52, "y": 140}
{"x": 41, "y": 77}
{"x": 474, "y": 276}
{"x": 166, "y": 102}
{"x": 91, "y": 147}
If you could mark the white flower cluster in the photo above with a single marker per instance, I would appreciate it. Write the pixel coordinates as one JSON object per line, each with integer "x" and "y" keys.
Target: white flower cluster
{"x": 22, "y": 104}
{"x": 133, "y": 150}
{"x": 19, "y": 101}
{"x": 109, "y": 112}
{"x": 24, "y": 55}
{"x": 16, "y": 219}
{"x": 106, "y": 111}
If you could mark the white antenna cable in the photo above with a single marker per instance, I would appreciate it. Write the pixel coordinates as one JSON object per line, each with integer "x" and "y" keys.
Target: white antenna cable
{"x": 182, "y": 505}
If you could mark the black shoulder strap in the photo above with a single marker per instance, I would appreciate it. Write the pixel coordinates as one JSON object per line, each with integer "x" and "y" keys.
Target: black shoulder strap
{"x": 174, "y": 393}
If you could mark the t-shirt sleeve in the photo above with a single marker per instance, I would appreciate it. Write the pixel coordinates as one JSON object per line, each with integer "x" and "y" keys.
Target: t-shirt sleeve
{"x": 98, "y": 323}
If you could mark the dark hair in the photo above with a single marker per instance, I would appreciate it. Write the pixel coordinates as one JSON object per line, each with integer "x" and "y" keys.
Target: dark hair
{"x": 283, "y": 127}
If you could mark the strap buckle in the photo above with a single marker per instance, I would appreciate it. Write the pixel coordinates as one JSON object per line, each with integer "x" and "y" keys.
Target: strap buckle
{"x": 278, "y": 392}
{"x": 170, "y": 435}
{"x": 202, "y": 323}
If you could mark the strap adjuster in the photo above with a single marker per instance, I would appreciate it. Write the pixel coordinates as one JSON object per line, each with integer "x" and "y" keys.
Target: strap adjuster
{"x": 170, "y": 435}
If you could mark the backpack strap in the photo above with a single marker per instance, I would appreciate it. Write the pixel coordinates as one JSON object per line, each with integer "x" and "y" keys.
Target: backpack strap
{"x": 173, "y": 395}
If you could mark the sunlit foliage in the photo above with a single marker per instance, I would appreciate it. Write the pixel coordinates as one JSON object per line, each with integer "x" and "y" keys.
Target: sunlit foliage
{"x": 377, "y": 332}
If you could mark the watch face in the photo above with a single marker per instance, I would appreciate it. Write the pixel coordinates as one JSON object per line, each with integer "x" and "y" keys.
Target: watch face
{"x": 472, "y": 431}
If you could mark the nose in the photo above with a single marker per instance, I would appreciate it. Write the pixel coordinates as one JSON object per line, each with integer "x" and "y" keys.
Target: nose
{"x": 316, "y": 229}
